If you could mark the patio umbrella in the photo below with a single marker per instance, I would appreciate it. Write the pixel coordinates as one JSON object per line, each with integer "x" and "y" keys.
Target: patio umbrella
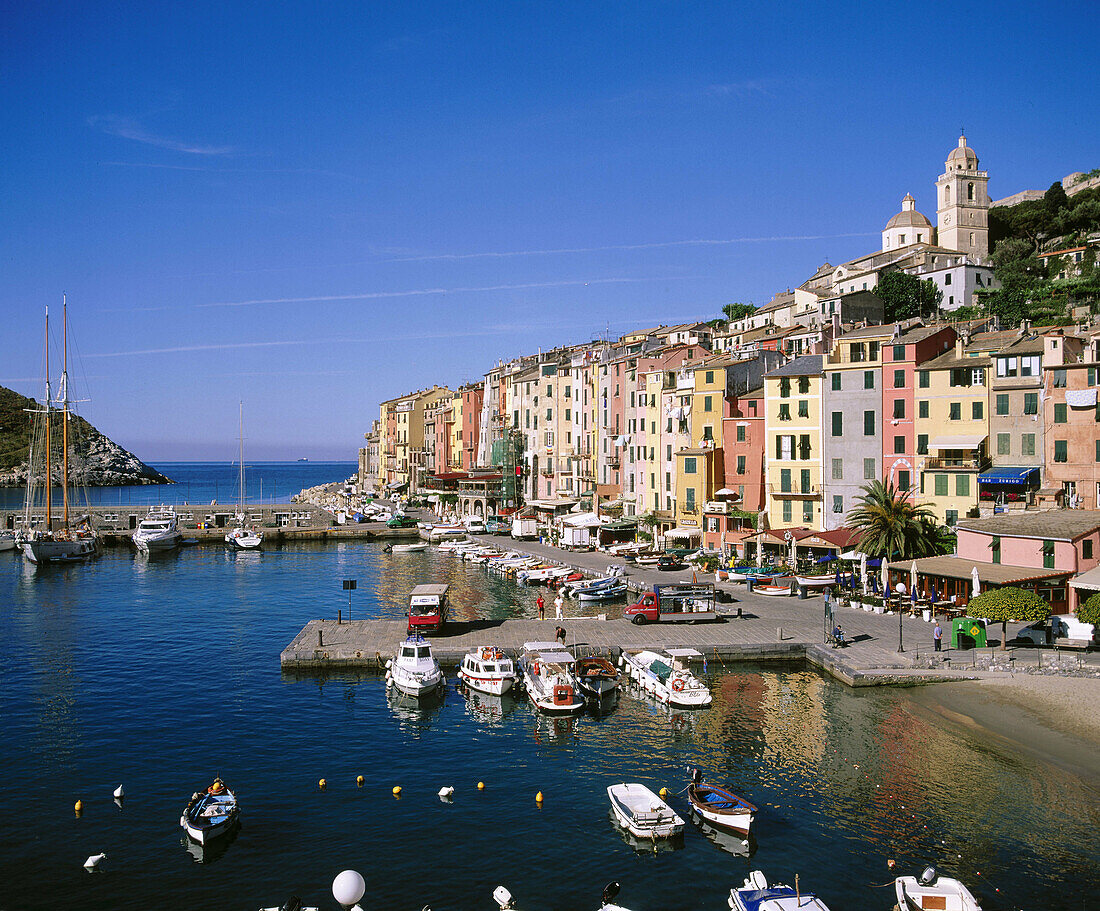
{"x": 935, "y": 595}
{"x": 874, "y": 585}
{"x": 837, "y": 580}
{"x": 976, "y": 585}
{"x": 913, "y": 594}
{"x": 863, "y": 571}
{"x": 913, "y": 575}
{"x": 885, "y": 576}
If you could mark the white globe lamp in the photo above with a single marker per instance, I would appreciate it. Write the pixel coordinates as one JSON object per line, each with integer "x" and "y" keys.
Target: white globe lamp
{"x": 348, "y": 888}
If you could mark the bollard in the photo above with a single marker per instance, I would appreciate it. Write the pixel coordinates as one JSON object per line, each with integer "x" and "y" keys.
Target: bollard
{"x": 320, "y": 638}
{"x": 339, "y": 616}
{"x": 739, "y": 614}
{"x": 779, "y": 633}
{"x": 748, "y": 584}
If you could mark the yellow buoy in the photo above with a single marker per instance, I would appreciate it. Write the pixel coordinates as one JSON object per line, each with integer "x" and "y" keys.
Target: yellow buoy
{"x": 322, "y": 784}
{"x": 359, "y": 781}
{"x": 538, "y": 797}
{"x": 79, "y": 807}
{"x": 397, "y": 790}
{"x": 481, "y": 785}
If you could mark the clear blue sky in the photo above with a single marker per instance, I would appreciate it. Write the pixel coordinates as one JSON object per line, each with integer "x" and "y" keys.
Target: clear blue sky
{"x": 313, "y": 207}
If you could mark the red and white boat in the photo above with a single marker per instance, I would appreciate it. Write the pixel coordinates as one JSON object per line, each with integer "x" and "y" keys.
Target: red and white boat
{"x": 488, "y": 670}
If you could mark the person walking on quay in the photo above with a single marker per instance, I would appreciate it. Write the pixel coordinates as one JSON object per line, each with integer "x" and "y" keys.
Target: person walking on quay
{"x": 541, "y": 605}
{"x": 559, "y": 604}
{"x": 937, "y": 635}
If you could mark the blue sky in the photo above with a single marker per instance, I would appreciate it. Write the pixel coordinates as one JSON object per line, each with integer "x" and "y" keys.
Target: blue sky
{"x": 314, "y": 207}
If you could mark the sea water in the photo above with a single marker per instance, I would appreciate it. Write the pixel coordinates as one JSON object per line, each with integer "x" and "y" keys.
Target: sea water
{"x": 160, "y": 674}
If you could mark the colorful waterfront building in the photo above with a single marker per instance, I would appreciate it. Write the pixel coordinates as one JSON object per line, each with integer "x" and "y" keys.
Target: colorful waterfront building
{"x": 792, "y": 428}
{"x": 1071, "y": 417}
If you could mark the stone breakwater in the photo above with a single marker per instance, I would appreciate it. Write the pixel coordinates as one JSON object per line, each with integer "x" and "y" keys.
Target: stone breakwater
{"x": 321, "y": 495}
{"x": 99, "y": 462}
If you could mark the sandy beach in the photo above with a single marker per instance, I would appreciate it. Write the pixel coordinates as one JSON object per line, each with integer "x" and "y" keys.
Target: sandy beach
{"x": 1055, "y": 718}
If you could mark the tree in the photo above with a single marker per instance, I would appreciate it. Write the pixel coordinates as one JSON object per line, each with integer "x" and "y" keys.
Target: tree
{"x": 891, "y": 526}
{"x": 1003, "y": 604}
{"x": 1055, "y": 199}
{"x": 738, "y": 311}
{"x": 1089, "y": 612}
{"x": 905, "y": 296}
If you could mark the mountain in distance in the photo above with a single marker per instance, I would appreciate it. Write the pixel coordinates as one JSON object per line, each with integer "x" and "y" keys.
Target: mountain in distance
{"x": 94, "y": 460}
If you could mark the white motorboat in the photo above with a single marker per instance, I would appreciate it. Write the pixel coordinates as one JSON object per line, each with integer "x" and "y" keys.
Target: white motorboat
{"x": 665, "y": 674}
{"x": 446, "y": 532}
{"x": 7, "y": 540}
{"x": 409, "y": 548}
{"x": 240, "y": 536}
{"x": 488, "y": 670}
{"x": 606, "y": 593}
{"x": 933, "y": 891}
{"x": 158, "y": 531}
{"x": 642, "y": 813}
{"x": 757, "y": 895}
{"x": 548, "y": 675}
{"x": 414, "y": 670}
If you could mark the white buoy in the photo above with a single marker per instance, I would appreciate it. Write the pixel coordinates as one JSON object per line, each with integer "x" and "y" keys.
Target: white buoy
{"x": 119, "y": 793}
{"x": 447, "y": 792}
{"x": 94, "y": 861}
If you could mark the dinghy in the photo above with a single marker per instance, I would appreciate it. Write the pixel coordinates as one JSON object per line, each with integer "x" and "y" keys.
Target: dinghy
{"x": 933, "y": 891}
{"x": 642, "y": 813}
{"x": 210, "y": 814}
{"x": 719, "y": 807}
{"x": 757, "y": 895}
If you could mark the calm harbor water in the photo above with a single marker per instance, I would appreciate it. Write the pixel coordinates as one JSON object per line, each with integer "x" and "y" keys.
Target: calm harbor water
{"x": 202, "y": 482}
{"x": 157, "y": 674}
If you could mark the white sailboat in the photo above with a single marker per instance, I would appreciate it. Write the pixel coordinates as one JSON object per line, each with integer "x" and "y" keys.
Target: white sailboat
{"x": 240, "y": 536}
{"x": 65, "y": 543}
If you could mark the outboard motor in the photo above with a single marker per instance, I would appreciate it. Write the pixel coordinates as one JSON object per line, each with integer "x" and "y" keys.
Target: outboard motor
{"x": 928, "y": 876}
{"x": 696, "y": 776}
{"x": 609, "y": 892}
{"x": 292, "y": 904}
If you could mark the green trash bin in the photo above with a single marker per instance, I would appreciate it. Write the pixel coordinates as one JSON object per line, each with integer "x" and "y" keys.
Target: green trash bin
{"x": 967, "y": 632}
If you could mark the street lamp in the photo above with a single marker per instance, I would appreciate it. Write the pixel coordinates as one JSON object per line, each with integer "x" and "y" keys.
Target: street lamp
{"x": 348, "y": 888}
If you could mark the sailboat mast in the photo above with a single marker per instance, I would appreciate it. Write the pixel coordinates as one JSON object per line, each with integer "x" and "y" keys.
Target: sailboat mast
{"x": 240, "y": 504}
{"x": 65, "y": 409}
{"x": 49, "y": 394}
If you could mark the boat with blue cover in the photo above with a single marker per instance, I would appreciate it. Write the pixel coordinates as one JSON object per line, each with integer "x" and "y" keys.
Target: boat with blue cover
{"x": 719, "y": 807}
{"x": 757, "y": 895}
{"x": 210, "y": 814}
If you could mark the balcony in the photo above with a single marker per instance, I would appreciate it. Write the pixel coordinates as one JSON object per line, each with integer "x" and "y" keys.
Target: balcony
{"x": 813, "y": 493}
{"x": 964, "y": 463}
{"x": 613, "y": 461}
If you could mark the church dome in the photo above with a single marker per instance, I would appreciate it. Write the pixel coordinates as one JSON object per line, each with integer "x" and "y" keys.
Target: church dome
{"x": 962, "y": 157}
{"x": 908, "y": 217}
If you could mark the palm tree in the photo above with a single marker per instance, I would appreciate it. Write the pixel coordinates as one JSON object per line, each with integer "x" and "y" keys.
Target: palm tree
{"x": 890, "y": 525}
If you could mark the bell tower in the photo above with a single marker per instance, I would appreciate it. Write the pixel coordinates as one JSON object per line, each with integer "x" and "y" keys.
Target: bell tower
{"x": 962, "y": 204}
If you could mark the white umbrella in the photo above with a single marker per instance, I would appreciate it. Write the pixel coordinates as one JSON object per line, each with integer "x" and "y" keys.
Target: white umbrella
{"x": 913, "y": 575}
{"x": 863, "y": 572}
{"x": 885, "y": 577}
{"x": 849, "y": 555}
{"x": 975, "y": 583}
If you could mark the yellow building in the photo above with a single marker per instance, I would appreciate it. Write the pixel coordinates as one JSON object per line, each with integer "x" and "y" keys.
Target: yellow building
{"x": 457, "y": 427}
{"x": 698, "y": 475}
{"x": 792, "y": 431}
{"x": 403, "y": 450}
{"x": 952, "y": 427}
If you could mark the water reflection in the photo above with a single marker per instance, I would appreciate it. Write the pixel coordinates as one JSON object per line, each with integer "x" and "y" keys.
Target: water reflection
{"x": 416, "y": 714}
{"x": 646, "y": 845}
{"x": 723, "y": 840}
{"x": 486, "y": 707}
{"x": 215, "y": 850}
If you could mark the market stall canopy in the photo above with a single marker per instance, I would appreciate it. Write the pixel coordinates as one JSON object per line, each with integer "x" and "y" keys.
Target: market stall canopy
{"x": 1089, "y": 580}
{"x": 582, "y": 520}
{"x": 686, "y": 533}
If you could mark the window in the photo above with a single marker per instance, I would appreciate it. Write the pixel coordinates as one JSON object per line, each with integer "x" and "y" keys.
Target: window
{"x": 899, "y": 409}
{"x": 740, "y": 464}
{"x": 1002, "y": 403}
{"x": 1027, "y": 444}
{"x": 710, "y": 377}
{"x": 1059, "y": 412}
{"x": 956, "y": 412}
{"x": 1060, "y": 452}
{"x": 995, "y": 550}
{"x": 787, "y": 511}
{"x": 803, "y": 384}
{"x": 899, "y": 445}
{"x": 807, "y": 511}
{"x": 977, "y": 410}
{"x": 740, "y": 433}
{"x": 784, "y": 387}
{"x": 941, "y": 485}
{"x": 708, "y": 432}
{"x": 873, "y": 346}
{"x": 838, "y": 466}
{"x": 689, "y": 499}
{"x": 922, "y": 408}
{"x": 1086, "y": 549}
{"x": 804, "y": 446}
{"x": 549, "y": 414}
{"x": 899, "y": 379}
{"x": 1004, "y": 444}
{"x": 836, "y": 381}
{"x": 838, "y": 503}
{"x": 1031, "y": 403}
{"x": 668, "y": 481}
{"x": 668, "y": 453}
{"x": 868, "y": 379}
{"x": 803, "y": 408}
{"x": 838, "y": 423}
{"x": 951, "y": 516}
{"x": 689, "y": 465}
{"x": 903, "y": 481}
{"x": 899, "y": 353}
{"x": 784, "y": 447}
{"x": 962, "y": 485}
{"x": 1048, "y": 555}
{"x": 869, "y": 469}
{"x": 708, "y": 403}
{"x": 785, "y": 480}
{"x": 868, "y": 423}
{"x": 947, "y": 279}
{"x": 922, "y": 379}
{"x": 1059, "y": 379}
{"x": 804, "y": 479}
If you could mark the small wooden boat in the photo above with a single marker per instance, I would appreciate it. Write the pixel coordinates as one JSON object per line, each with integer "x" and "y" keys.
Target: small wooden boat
{"x": 815, "y": 581}
{"x": 933, "y": 891}
{"x": 757, "y": 895}
{"x": 210, "y": 814}
{"x": 772, "y": 589}
{"x": 597, "y": 676}
{"x": 642, "y": 813}
{"x": 719, "y": 807}
{"x": 609, "y": 593}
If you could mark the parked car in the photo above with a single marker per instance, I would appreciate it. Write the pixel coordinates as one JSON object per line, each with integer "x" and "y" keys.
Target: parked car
{"x": 402, "y": 522}
{"x": 669, "y": 561}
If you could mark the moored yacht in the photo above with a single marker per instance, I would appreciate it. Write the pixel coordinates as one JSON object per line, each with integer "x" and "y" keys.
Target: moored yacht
{"x": 488, "y": 670}
{"x": 159, "y": 530}
{"x": 414, "y": 670}
{"x": 548, "y": 675}
{"x": 665, "y": 674}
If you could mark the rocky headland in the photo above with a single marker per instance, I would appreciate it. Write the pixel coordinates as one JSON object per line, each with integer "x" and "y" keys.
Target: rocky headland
{"x": 94, "y": 461}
